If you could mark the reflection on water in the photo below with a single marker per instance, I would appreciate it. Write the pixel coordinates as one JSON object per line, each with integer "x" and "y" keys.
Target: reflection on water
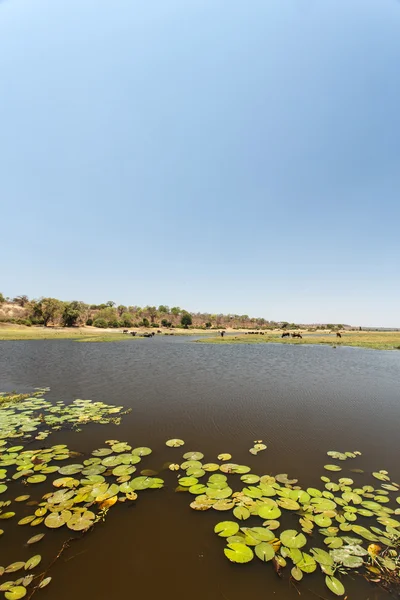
{"x": 301, "y": 400}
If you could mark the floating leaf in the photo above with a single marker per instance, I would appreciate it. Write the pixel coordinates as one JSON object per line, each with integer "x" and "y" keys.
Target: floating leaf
{"x": 296, "y": 574}
{"x": 32, "y": 562}
{"x": 36, "y": 538}
{"x": 174, "y": 443}
{"x": 193, "y": 455}
{"x": 44, "y": 582}
{"x": 226, "y": 528}
{"x": 224, "y": 456}
{"x": 335, "y": 586}
{"x": 239, "y": 553}
{"x": 264, "y": 551}
{"x": 16, "y": 566}
{"x": 292, "y": 539}
{"x": 332, "y": 468}
{"x": 241, "y": 512}
{"x": 16, "y": 593}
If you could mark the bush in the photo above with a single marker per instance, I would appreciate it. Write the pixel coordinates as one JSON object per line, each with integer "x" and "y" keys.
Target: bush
{"x": 24, "y": 322}
{"x": 37, "y": 320}
{"x": 156, "y": 325}
{"x": 186, "y": 320}
{"x": 114, "y": 323}
{"x": 144, "y": 323}
{"x": 100, "y": 323}
{"x": 126, "y": 320}
{"x": 165, "y": 323}
{"x": 89, "y": 322}
{"x": 208, "y": 325}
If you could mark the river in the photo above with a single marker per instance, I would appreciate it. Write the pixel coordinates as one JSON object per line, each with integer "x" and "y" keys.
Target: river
{"x": 300, "y": 400}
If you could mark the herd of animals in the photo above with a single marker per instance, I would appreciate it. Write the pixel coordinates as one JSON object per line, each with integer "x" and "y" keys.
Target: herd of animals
{"x": 285, "y": 334}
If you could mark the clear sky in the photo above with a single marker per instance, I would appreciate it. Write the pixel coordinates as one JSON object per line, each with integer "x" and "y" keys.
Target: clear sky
{"x": 221, "y": 156}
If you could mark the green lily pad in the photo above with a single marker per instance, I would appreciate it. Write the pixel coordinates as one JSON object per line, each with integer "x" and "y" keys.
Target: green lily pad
{"x": 241, "y": 512}
{"x": 16, "y": 566}
{"x": 264, "y": 551}
{"x": 174, "y": 443}
{"x": 16, "y": 593}
{"x": 269, "y": 512}
{"x": 334, "y": 585}
{"x": 33, "y": 562}
{"x": 35, "y": 538}
{"x": 193, "y": 455}
{"x": 224, "y": 456}
{"x": 239, "y": 553}
{"x": 226, "y": 528}
{"x": 332, "y": 468}
{"x": 44, "y": 582}
{"x": 292, "y": 539}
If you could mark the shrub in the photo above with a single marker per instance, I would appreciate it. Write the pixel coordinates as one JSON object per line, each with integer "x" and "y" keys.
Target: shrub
{"x": 144, "y": 323}
{"x": 114, "y": 323}
{"x": 126, "y": 320}
{"x": 186, "y": 320}
{"x": 165, "y": 323}
{"x": 208, "y": 325}
{"x": 100, "y": 323}
{"x": 155, "y": 325}
{"x": 89, "y": 322}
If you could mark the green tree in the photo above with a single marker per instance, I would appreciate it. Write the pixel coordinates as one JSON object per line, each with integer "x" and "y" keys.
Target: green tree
{"x": 145, "y": 322}
{"x": 21, "y": 300}
{"x": 72, "y": 312}
{"x": 164, "y": 309}
{"x": 186, "y": 320}
{"x": 110, "y": 303}
{"x": 100, "y": 323}
{"x": 48, "y": 309}
{"x": 152, "y": 313}
{"x": 121, "y": 309}
{"x": 126, "y": 319}
{"x": 2, "y": 299}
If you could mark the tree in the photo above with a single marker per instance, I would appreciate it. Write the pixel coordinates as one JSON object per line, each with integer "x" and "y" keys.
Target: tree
{"x": 121, "y": 309}
{"x": 163, "y": 309}
{"x": 2, "y": 299}
{"x": 48, "y": 309}
{"x": 72, "y": 312}
{"x": 126, "y": 319}
{"x": 152, "y": 313}
{"x": 165, "y": 323}
{"x": 144, "y": 323}
{"x": 100, "y": 323}
{"x": 21, "y": 300}
{"x": 186, "y": 320}
{"x": 110, "y": 303}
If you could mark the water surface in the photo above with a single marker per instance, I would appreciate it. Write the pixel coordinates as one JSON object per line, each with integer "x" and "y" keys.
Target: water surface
{"x": 301, "y": 400}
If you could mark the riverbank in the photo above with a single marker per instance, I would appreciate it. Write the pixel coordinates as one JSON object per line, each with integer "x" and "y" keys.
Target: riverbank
{"x": 82, "y": 334}
{"x": 377, "y": 340}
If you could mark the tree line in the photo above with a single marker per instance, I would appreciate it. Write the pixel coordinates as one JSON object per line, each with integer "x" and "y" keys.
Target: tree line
{"x": 52, "y": 311}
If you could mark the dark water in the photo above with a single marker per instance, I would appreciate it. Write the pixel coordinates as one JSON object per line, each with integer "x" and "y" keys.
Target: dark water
{"x": 301, "y": 400}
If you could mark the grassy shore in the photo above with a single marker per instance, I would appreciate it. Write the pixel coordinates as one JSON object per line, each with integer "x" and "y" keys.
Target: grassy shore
{"x": 78, "y": 334}
{"x": 378, "y": 340}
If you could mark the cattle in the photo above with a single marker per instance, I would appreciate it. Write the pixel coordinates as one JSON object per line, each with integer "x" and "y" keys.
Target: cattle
{"x": 284, "y": 335}
{"x": 297, "y": 335}
{"x": 132, "y": 333}
{"x": 125, "y": 331}
{"x": 339, "y": 335}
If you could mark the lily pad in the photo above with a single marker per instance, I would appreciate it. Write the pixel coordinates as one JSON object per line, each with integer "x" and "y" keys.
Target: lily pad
{"x": 239, "y": 553}
{"x": 226, "y": 528}
{"x": 174, "y": 443}
{"x": 33, "y": 562}
{"x": 16, "y": 593}
{"x": 335, "y": 586}
{"x": 292, "y": 539}
{"x": 264, "y": 551}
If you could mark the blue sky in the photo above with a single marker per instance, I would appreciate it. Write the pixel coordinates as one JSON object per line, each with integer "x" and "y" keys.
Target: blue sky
{"x": 225, "y": 156}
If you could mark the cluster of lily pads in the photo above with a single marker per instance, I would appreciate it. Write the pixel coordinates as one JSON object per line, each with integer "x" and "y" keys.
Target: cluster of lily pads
{"x": 339, "y": 529}
{"x": 82, "y": 492}
{"x": 337, "y": 515}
